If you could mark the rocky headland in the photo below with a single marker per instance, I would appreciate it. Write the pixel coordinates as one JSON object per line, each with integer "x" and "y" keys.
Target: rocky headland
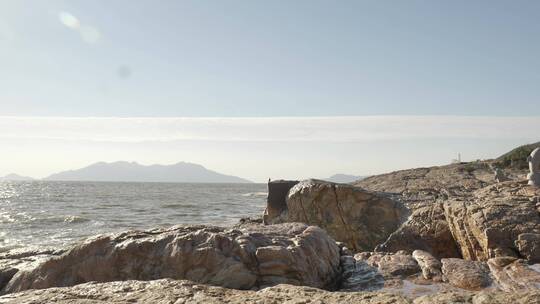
{"x": 462, "y": 233}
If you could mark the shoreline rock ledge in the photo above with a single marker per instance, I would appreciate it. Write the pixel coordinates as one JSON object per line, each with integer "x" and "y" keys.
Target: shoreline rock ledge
{"x": 253, "y": 257}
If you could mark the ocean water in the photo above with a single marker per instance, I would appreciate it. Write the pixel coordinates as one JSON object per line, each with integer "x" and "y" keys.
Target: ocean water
{"x": 51, "y": 214}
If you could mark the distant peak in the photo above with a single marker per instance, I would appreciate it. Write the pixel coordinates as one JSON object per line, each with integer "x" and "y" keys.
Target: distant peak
{"x": 133, "y": 171}
{"x": 16, "y": 177}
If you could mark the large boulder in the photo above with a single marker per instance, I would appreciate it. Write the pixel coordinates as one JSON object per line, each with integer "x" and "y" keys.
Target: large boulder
{"x": 359, "y": 218}
{"x": 248, "y": 258}
{"x": 496, "y": 221}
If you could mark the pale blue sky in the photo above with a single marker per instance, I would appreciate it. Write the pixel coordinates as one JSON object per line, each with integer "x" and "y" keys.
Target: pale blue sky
{"x": 434, "y": 66}
{"x": 270, "y": 58}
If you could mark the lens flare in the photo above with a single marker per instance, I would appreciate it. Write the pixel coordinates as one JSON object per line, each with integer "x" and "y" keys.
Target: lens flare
{"x": 69, "y": 20}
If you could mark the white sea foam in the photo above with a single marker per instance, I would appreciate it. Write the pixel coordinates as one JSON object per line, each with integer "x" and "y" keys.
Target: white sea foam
{"x": 252, "y": 194}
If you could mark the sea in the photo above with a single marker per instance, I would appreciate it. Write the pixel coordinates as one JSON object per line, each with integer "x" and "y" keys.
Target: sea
{"x": 59, "y": 214}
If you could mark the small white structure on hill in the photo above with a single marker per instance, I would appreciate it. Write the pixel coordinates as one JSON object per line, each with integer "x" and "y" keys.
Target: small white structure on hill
{"x": 534, "y": 168}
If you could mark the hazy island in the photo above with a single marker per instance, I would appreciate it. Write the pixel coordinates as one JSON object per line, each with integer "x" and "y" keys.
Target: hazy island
{"x": 15, "y": 178}
{"x": 123, "y": 171}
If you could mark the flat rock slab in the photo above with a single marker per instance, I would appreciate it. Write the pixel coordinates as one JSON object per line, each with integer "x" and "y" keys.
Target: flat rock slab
{"x": 168, "y": 291}
{"x": 247, "y": 258}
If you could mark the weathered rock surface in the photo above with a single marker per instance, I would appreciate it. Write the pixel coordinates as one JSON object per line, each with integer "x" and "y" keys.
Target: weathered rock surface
{"x": 423, "y": 191}
{"x": 422, "y": 186}
{"x": 472, "y": 275}
{"x": 512, "y": 274}
{"x": 495, "y": 221}
{"x": 253, "y": 257}
{"x": 167, "y": 291}
{"x": 422, "y": 274}
{"x": 361, "y": 219}
{"x": 484, "y": 297}
{"x": 171, "y": 291}
{"x": 528, "y": 245}
{"x": 460, "y": 211}
{"x": 22, "y": 259}
{"x": 426, "y": 229}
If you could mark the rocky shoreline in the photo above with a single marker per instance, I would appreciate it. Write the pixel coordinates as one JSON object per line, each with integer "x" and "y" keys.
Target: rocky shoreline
{"x": 449, "y": 234}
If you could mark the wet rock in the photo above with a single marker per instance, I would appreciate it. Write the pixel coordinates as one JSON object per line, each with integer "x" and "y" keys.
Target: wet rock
{"x": 361, "y": 219}
{"x": 359, "y": 275}
{"x": 399, "y": 264}
{"x": 470, "y": 275}
{"x": 257, "y": 257}
{"x": 397, "y": 273}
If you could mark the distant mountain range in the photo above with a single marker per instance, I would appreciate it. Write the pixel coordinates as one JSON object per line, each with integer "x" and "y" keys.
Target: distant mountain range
{"x": 343, "y": 178}
{"x": 15, "y": 177}
{"x": 123, "y": 171}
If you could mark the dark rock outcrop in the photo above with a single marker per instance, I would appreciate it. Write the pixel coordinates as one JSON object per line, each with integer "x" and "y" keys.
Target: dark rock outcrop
{"x": 276, "y": 202}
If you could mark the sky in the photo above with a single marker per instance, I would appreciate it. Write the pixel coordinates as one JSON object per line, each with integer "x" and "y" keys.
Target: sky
{"x": 258, "y": 89}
